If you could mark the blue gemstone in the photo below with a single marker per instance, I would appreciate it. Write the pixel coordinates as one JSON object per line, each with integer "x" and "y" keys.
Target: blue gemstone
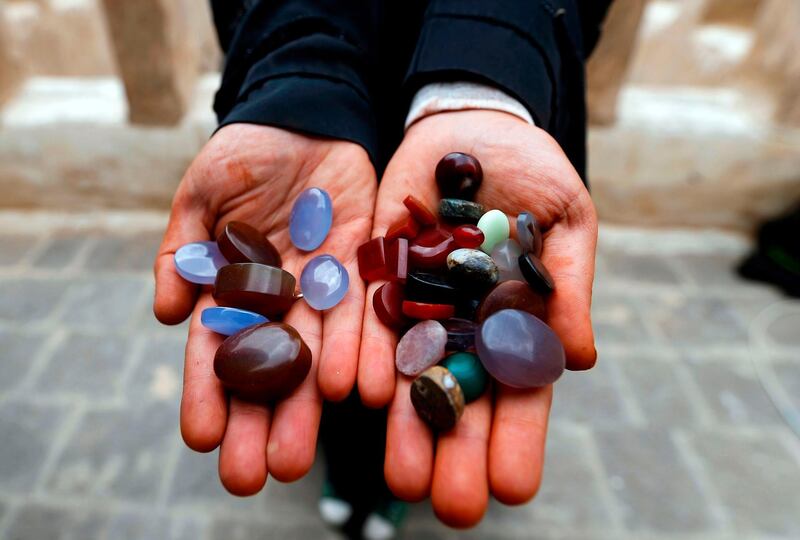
{"x": 312, "y": 215}
{"x": 198, "y": 262}
{"x": 324, "y": 282}
{"x": 227, "y": 321}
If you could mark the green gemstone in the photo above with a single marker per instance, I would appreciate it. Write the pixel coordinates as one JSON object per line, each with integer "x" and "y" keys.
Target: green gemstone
{"x": 466, "y": 367}
{"x": 494, "y": 225}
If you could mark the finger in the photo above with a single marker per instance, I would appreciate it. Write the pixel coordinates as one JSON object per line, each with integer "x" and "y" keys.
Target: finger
{"x": 174, "y": 297}
{"x": 569, "y": 254}
{"x": 460, "y": 492}
{"x": 409, "y": 448}
{"x": 516, "y": 448}
{"x": 293, "y": 437}
{"x": 203, "y": 404}
{"x": 243, "y": 454}
{"x": 376, "y": 369}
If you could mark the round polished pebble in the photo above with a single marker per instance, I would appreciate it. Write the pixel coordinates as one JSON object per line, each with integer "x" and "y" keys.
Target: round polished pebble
{"x": 199, "y": 262}
{"x": 469, "y": 372}
{"x": 494, "y": 225}
{"x": 536, "y": 274}
{"x": 529, "y": 234}
{"x": 264, "y": 362}
{"x": 459, "y": 175}
{"x": 422, "y": 310}
{"x": 472, "y": 268}
{"x": 438, "y": 398}
{"x": 460, "y": 211}
{"x": 512, "y": 295}
{"x": 519, "y": 350}
{"x": 388, "y": 305}
{"x": 324, "y": 282}
{"x": 506, "y": 256}
{"x": 433, "y": 288}
{"x": 227, "y": 321}
{"x": 460, "y": 334}
{"x": 241, "y": 243}
{"x": 421, "y": 347}
{"x": 311, "y": 218}
{"x": 255, "y": 287}
{"x": 419, "y": 211}
{"x": 468, "y": 236}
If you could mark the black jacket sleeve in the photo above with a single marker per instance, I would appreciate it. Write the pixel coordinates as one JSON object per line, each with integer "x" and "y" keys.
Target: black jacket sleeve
{"x": 534, "y": 50}
{"x": 300, "y": 65}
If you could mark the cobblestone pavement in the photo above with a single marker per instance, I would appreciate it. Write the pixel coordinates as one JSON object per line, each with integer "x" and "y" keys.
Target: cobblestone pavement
{"x": 672, "y": 436}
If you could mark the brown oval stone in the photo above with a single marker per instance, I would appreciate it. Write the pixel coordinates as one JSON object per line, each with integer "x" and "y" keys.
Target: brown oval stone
{"x": 263, "y": 362}
{"x": 241, "y": 243}
{"x": 512, "y": 294}
{"x": 256, "y": 287}
{"x": 437, "y": 398}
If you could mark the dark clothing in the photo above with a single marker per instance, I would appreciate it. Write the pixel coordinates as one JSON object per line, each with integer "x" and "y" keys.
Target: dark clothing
{"x": 348, "y": 69}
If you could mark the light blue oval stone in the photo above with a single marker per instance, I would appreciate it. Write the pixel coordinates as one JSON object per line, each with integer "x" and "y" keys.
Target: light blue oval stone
{"x": 312, "y": 215}
{"x": 227, "y": 321}
{"x": 324, "y": 282}
{"x": 198, "y": 262}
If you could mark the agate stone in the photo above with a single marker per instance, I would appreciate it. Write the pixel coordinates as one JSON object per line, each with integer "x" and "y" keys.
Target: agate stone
{"x": 324, "y": 282}
{"x": 255, "y": 287}
{"x": 468, "y": 371}
{"x": 388, "y": 305}
{"x": 227, "y": 321}
{"x": 468, "y": 236}
{"x": 459, "y": 175}
{"x": 419, "y": 211}
{"x": 472, "y": 268}
{"x": 511, "y": 295}
{"x": 536, "y": 274}
{"x": 311, "y": 218}
{"x": 460, "y": 211}
{"x": 264, "y": 362}
{"x": 421, "y": 347}
{"x": 460, "y": 334}
{"x": 380, "y": 259}
{"x": 438, "y": 399}
{"x": 529, "y": 234}
{"x": 241, "y": 243}
{"x": 494, "y": 225}
{"x": 199, "y": 262}
{"x": 519, "y": 350}
{"x": 422, "y": 310}
{"x": 506, "y": 256}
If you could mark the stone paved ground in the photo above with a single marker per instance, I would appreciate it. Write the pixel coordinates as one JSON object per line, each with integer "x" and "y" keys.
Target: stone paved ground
{"x": 672, "y": 436}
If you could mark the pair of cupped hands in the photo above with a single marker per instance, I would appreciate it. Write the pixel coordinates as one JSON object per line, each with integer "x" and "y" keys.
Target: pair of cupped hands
{"x": 253, "y": 174}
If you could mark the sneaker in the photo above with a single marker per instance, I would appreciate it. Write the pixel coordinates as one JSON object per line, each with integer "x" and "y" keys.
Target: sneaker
{"x": 385, "y": 520}
{"x": 334, "y": 510}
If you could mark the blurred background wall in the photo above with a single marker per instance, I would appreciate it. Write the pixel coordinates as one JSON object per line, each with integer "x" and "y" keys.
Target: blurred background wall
{"x": 695, "y": 106}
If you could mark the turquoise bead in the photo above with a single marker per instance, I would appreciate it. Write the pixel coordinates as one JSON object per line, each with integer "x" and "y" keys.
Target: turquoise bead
{"x": 494, "y": 225}
{"x": 469, "y": 372}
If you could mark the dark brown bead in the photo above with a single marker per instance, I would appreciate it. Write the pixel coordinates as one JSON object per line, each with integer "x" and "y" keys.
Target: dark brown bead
{"x": 241, "y": 243}
{"x": 459, "y": 176}
{"x": 512, "y": 294}
{"x": 264, "y": 362}
{"x": 536, "y": 274}
{"x": 255, "y": 287}
{"x": 438, "y": 398}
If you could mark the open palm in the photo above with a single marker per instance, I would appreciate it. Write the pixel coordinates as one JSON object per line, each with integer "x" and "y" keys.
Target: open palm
{"x": 498, "y": 444}
{"x": 253, "y": 174}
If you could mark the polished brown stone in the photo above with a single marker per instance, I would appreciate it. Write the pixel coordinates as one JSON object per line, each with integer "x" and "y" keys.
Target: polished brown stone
{"x": 264, "y": 362}
{"x": 512, "y": 295}
{"x": 255, "y": 287}
{"x": 241, "y": 243}
{"x": 437, "y": 397}
{"x": 459, "y": 176}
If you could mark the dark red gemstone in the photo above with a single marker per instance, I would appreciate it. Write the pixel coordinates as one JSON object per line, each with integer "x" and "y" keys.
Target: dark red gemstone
{"x": 432, "y": 236}
{"x": 459, "y": 176}
{"x": 431, "y": 257}
{"x": 388, "y": 305}
{"x": 241, "y": 243}
{"x": 420, "y": 212}
{"x": 468, "y": 236}
{"x": 407, "y": 227}
{"x": 512, "y": 294}
{"x": 380, "y": 259}
{"x": 397, "y": 260}
{"x": 420, "y": 310}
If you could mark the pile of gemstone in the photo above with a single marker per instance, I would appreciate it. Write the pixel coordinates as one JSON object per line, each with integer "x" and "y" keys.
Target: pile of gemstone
{"x": 466, "y": 297}
{"x": 263, "y": 360}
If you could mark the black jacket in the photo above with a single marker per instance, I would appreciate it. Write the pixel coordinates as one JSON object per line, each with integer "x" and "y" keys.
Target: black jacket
{"x": 348, "y": 68}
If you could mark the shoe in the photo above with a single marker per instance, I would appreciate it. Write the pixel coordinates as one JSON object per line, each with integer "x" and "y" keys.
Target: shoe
{"x": 334, "y": 510}
{"x": 385, "y": 520}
